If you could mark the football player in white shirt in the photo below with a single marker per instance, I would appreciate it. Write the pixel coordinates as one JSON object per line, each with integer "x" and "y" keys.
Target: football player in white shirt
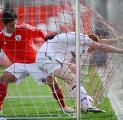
{"x": 52, "y": 58}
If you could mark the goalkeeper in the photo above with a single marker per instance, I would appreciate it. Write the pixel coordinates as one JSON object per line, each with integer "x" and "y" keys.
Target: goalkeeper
{"x": 52, "y": 58}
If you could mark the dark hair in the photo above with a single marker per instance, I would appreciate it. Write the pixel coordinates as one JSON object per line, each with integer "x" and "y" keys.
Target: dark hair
{"x": 94, "y": 38}
{"x": 50, "y": 37}
{"x": 8, "y": 15}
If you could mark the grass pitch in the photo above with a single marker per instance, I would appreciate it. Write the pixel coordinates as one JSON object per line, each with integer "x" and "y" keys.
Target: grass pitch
{"x": 37, "y": 104}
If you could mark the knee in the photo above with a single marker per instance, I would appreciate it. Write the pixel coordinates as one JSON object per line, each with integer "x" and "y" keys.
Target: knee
{"x": 47, "y": 80}
{"x": 2, "y": 80}
{"x": 50, "y": 79}
{"x": 7, "y": 78}
{"x": 44, "y": 80}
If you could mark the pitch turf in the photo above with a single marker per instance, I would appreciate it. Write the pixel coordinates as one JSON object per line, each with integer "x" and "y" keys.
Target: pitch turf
{"x": 37, "y": 102}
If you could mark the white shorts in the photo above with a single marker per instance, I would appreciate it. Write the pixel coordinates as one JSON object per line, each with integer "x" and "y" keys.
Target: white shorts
{"x": 20, "y": 70}
{"x": 48, "y": 65}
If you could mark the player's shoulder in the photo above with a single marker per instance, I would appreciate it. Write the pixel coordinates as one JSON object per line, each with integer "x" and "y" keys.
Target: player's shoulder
{"x": 25, "y": 26}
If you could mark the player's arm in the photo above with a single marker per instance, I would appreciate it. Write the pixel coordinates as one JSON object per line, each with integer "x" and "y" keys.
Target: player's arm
{"x": 39, "y": 41}
{"x": 92, "y": 44}
{"x": 50, "y": 35}
{"x": 108, "y": 41}
{"x": 104, "y": 47}
{"x": 112, "y": 41}
{"x": 103, "y": 40}
{"x": 34, "y": 32}
{"x": 37, "y": 36}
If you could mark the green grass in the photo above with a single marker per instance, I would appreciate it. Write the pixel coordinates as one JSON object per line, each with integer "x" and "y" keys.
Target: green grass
{"x": 45, "y": 108}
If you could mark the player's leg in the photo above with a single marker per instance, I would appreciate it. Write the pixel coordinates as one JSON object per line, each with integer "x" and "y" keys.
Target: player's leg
{"x": 56, "y": 90}
{"x": 5, "y": 79}
{"x": 57, "y": 93}
{"x": 66, "y": 74}
{"x": 12, "y": 74}
{"x": 3, "y": 86}
{"x": 62, "y": 71}
{"x": 3, "y": 91}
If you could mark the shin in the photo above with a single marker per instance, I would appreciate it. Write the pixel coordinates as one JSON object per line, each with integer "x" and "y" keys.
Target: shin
{"x": 56, "y": 91}
{"x": 66, "y": 74}
{"x": 5, "y": 79}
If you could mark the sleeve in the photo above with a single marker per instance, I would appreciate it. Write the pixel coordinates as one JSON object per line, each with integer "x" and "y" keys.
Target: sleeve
{"x": 36, "y": 33}
{"x": 85, "y": 40}
{"x": 70, "y": 38}
{"x": 50, "y": 35}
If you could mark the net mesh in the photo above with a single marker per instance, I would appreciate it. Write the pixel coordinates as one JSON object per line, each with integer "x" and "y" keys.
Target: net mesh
{"x": 29, "y": 99}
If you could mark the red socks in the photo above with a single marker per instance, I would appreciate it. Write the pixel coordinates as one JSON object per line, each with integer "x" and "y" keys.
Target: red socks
{"x": 3, "y": 91}
{"x": 58, "y": 94}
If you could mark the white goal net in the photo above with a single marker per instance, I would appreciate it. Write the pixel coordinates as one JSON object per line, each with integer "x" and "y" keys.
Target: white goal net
{"x": 30, "y": 100}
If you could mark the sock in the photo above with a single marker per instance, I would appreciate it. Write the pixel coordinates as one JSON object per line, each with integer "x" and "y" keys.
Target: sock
{"x": 58, "y": 94}
{"x": 83, "y": 93}
{"x": 3, "y": 91}
{"x": 85, "y": 102}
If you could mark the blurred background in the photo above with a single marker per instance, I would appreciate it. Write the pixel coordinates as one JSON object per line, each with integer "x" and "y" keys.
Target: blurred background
{"x": 111, "y": 10}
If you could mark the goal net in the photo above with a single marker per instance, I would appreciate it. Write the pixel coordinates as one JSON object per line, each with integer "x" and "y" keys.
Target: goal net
{"x": 30, "y": 100}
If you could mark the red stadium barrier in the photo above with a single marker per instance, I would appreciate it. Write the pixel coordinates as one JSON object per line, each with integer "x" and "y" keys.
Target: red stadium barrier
{"x": 36, "y": 14}
{"x": 39, "y": 14}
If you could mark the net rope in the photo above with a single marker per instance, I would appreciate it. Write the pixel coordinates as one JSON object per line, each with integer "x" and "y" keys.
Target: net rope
{"x": 59, "y": 16}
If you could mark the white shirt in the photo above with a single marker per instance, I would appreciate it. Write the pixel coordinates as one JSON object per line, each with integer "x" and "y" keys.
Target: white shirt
{"x": 62, "y": 45}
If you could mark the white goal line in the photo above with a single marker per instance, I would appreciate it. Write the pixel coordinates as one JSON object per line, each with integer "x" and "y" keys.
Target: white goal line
{"x": 28, "y": 97}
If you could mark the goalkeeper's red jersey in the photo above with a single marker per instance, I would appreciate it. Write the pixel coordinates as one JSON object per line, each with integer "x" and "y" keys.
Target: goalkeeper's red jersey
{"x": 18, "y": 46}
